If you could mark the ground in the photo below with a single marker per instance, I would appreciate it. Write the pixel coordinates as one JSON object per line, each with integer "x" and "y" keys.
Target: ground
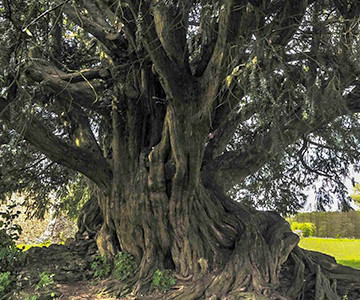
{"x": 81, "y": 290}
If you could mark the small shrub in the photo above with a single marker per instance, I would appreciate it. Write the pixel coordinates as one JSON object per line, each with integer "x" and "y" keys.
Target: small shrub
{"x": 124, "y": 265}
{"x": 46, "y": 281}
{"x": 10, "y": 255}
{"x": 5, "y": 282}
{"x": 101, "y": 266}
{"x": 308, "y": 229}
{"x": 34, "y": 297}
{"x": 9, "y": 232}
{"x": 163, "y": 281}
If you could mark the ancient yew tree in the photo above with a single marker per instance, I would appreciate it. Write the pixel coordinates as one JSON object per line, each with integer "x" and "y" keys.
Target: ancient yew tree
{"x": 166, "y": 105}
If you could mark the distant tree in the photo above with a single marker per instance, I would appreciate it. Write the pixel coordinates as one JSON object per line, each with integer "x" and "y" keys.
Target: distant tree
{"x": 331, "y": 224}
{"x": 307, "y": 228}
{"x": 356, "y": 193}
{"x": 165, "y": 107}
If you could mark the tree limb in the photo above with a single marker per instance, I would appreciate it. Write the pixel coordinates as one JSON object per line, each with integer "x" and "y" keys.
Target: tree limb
{"x": 170, "y": 23}
{"x": 44, "y": 14}
{"x": 61, "y": 83}
{"x": 232, "y": 167}
{"x": 231, "y": 15}
{"x": 89, "y": 163}
{"x": 108, "y": 36}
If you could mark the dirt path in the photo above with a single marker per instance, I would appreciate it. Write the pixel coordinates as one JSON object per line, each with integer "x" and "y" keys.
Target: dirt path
{"x": 83, "y": 290}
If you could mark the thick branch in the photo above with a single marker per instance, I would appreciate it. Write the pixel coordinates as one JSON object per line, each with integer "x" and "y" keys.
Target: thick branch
{"x": 229, "y": 30}
{"x": 234, "y": 166}
{"x": 61, "y": 83}
{"x": 89, "y": 163}
{"x": 170, "y": 23}
{"x": 83, "y": 75}
{"x": 175, "y": 76}
{"x": 107, "y": 35}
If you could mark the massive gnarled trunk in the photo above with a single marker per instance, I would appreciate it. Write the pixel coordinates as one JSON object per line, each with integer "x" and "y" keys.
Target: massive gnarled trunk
{"x": 166, "y": 99}
{"x": 218, "y": 249}
{"x": 164, "y": 208}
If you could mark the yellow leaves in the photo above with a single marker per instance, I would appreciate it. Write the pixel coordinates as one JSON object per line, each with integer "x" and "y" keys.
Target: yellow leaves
{"x": 28, "y": 32}
{"x": 305, "y": 115}
{"x": 228, "y": 80}
{"x": 239, "y": 69}
{"x": 356, "y": 195}
{"x": 77, "y": 142}
{"x": 236, "y": 70}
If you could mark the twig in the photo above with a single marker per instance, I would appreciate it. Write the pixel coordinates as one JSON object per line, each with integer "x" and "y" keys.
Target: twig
{"x": 44, "y": 14}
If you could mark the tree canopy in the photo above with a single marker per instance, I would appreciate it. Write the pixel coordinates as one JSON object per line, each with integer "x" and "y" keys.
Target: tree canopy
{"x": 284, "y": 63}
{"x": 165, "y": 106}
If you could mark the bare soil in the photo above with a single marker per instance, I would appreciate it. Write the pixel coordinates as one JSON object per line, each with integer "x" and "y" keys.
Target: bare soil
{"x": 80, "y": 290}
{"x": 84, "y": 290}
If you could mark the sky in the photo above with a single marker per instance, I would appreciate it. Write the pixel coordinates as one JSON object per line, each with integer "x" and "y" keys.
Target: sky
{"x": 311, "y": 202}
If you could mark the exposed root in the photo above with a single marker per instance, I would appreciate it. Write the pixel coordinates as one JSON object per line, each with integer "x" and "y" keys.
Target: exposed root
{"x": 90, "y": 218}
{"x": 217, "y": 249}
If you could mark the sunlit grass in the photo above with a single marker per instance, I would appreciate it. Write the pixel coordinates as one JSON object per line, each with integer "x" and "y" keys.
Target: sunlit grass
{"x": 345, "y": 251}
{"x": 25, "y": 247}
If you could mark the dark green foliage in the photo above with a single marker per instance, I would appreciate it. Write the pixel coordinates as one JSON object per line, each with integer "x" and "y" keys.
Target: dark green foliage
{"x": 9, "y": 232}
{"x": 124, "y": 266}
{"x": 102, "y": 267}
{"x": 33, "y": 175}
{"x": 10, "y": 255}
{"x": 326, "y": 155}
{"x": 163, "y": 280}
{"x": 6, "y": 280}
{"x": 46, "y": 281}
{"x": 74, "y": 196}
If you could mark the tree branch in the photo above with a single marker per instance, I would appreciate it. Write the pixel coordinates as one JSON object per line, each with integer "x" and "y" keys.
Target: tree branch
{"x": 89, "y": 163}
{"x": 44, "y": 14}
{"x": 286, "y": 22}
{"x": 61, "y": 83}
{"x": 107, "y": 35}
{"x": 232, "y": 167}
{"x": 231, "y": 15}
{"x": 170, "y": 23}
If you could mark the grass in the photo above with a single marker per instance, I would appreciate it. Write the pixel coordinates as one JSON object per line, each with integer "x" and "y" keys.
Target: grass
{"x": 25, "y": 247}
{"x": 345, "y": 251}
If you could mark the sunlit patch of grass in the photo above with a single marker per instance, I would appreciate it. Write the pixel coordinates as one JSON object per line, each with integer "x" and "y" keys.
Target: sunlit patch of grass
{"x": 345, "y": 251}
{"x": 351, "y": 263}
{"x": 25, "y": 247}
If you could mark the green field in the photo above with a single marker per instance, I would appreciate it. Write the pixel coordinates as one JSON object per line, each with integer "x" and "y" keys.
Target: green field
{"x": 345, "y": 251}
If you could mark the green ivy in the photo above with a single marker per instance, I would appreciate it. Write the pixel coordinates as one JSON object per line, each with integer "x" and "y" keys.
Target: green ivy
{"x": 10, "y": 255}
{"x": 101, "y": 266}
{"x": 46, "y": 281}
{"x": 163, "y": 280}
{"x": 34, "y": 297}
{"x": 124, "y": 266}
{"x": 5, "y": 282}
{"x": 9, "y": 233}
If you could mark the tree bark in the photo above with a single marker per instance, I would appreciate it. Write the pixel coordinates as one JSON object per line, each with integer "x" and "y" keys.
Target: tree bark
{"x": 159, "y": 211}
{"x": 161, "y": 188}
